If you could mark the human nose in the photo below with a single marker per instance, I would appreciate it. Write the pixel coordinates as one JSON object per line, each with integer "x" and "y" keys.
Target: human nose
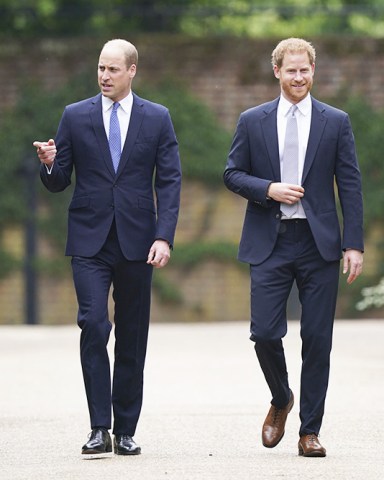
{"x": 105, "y": 75}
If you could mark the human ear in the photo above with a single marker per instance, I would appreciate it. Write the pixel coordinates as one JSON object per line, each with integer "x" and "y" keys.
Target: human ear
{"x": 276, "y": 71}
{"x": 132, "y": 70}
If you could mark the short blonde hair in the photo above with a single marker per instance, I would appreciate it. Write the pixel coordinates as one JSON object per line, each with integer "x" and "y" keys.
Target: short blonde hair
{"x": 292, "y": 45}
{"x": 129, "y": 50}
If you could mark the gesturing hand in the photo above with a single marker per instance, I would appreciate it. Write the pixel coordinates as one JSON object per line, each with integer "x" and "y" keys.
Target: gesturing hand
{"x": 46, "y": 151}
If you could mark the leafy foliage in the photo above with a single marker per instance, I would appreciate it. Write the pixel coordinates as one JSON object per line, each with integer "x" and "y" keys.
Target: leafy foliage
{"x": 190, "y": 255}
{"x": 373, "y": 297}
{"x": 368, "y": 127}
{"x": 261, "y": 18}
{"x": 203, "y": 143}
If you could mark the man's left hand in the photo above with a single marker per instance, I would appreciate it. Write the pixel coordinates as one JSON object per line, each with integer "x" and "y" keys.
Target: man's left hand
{"x": 159, "y": 254}
{"x": 352, "y": 261}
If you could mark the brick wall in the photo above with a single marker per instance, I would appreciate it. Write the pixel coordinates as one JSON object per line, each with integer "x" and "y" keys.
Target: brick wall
{"x": 229, "y": 75}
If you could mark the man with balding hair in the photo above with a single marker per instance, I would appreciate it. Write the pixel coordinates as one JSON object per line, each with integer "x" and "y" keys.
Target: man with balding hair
{"x": 121, "y": 148}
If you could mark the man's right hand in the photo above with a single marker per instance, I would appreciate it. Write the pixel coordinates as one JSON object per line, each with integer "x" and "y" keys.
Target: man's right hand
{"x": 46, "y": 151}
{"x": 285, "y": 192}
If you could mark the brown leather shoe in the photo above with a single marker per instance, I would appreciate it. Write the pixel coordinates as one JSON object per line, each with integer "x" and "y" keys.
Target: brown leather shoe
{"x": 309, "y": 446}
{"x": 274, "y": 424}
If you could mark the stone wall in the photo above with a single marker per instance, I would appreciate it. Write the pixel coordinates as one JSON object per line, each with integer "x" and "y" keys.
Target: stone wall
{"x": 227, "y": 74}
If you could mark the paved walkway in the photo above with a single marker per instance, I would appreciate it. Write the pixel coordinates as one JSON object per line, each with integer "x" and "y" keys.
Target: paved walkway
{"x": 205, "y": 401}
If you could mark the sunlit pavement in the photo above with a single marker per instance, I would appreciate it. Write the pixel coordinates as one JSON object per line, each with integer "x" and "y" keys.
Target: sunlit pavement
{"x": 205, "y": 401}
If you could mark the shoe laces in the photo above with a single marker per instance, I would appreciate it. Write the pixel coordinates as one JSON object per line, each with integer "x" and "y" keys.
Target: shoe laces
{"x": 276, "y": 415}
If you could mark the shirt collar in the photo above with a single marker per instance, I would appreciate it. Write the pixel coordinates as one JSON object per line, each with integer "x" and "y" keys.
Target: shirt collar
{"x": 125, "y": 103}
{"x": 304, "y": 106}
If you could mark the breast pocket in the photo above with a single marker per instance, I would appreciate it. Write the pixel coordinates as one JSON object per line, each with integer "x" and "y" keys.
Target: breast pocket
{"x": 145, "y": 145}
{"x": 145, "y": 139}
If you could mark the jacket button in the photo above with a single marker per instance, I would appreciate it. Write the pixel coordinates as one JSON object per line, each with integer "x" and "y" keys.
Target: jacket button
{"x": 277, "y": 215}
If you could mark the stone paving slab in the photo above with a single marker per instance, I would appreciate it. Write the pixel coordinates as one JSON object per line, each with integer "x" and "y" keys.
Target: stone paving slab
{"x": 205, "y": 401}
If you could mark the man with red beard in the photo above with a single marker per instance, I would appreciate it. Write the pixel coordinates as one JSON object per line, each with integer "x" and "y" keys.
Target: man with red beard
{"x": 285, "y": 159}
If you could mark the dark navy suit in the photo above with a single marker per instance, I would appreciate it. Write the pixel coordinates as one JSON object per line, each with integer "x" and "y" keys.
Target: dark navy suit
{"x": 113, "y": 220}
{"x": 307, "y": 252}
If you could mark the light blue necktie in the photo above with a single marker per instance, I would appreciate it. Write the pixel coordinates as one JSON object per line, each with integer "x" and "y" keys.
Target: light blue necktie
{"x": 115, "y": 137}
{"x": 290, "y": 173}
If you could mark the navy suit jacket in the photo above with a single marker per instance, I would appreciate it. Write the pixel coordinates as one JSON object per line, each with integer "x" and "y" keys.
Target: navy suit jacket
{"x": 143, "y": 196}
{"x": 253, "y": 163}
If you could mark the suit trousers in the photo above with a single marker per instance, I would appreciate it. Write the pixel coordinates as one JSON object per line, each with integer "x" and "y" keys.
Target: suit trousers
{"x": 295, "y": 258}
{"x": 131, "y": 281}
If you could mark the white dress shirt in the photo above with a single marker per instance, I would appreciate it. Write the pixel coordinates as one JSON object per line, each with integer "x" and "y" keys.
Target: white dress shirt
{"x": 123, "y": 114}
{"x": 303, "y": 116}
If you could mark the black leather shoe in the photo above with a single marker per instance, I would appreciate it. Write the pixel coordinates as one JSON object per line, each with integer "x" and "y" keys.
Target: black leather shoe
{"x": 99, "y": 442}
{"x": 125, "y": 445}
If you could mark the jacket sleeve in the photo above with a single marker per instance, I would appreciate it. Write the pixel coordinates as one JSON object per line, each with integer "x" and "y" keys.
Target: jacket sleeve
{"x": 60, "y": 176}
{"x": 167, "y": 181}
{"x": 349, "y": 185}
{"x": 238, "y": 174}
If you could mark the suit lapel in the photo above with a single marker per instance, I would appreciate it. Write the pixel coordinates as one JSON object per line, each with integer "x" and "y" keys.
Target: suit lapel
{"x": 318, "y": 123}
{"x": 135, "y": 121}
{"x": 269, "y": 128}
{"x": 98, "y": 126}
